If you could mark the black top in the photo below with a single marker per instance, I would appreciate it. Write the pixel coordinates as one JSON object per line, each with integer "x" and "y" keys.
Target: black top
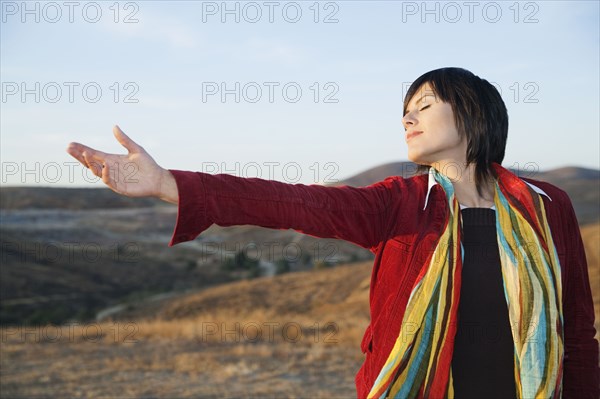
{"x": 483, "y": 359}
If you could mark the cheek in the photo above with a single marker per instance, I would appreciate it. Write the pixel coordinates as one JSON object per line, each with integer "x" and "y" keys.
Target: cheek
{"x": 446, "y": 124}
{"x": 447, "y": 116}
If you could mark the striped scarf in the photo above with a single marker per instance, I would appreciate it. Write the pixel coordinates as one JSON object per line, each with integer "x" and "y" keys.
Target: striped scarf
{"x": 419, "y": 365}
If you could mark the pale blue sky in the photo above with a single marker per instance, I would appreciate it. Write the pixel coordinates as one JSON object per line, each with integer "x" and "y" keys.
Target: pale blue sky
{"x": 547, "y": 69}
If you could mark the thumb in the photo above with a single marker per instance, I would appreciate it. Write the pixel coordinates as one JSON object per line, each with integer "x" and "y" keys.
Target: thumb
{"x": 125, "y": 141}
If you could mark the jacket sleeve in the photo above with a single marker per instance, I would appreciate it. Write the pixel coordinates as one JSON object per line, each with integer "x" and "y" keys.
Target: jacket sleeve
{"x": 355, "y": 214}
{"x": 581, "y": 378}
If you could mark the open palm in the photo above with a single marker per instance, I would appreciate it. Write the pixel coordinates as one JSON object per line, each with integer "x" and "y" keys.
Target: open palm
{"x": 135, "y": 174}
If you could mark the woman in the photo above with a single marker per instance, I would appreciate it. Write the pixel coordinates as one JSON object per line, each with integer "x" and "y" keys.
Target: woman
{"x": 480, "y": 285}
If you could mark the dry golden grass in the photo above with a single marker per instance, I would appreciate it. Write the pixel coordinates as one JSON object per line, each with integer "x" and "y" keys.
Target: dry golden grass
{"x": 206, "y": 344}
{"x": 591, "y": 240}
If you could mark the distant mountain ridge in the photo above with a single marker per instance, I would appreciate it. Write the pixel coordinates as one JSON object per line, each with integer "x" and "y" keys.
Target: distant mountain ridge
{"x": 582, "y": 185}
{"x": 18, "y": 198}
{"x": 408, "y": 169}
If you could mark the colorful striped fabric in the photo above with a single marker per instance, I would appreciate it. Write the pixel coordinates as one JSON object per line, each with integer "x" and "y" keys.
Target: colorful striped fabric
{"x": 419, "y": 365}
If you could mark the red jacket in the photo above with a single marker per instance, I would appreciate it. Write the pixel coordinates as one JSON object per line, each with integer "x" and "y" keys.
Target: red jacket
{"x": 390, "y": 219}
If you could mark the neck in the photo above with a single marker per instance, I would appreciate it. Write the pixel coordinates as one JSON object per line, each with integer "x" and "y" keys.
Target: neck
{"x": 465, "y": 187}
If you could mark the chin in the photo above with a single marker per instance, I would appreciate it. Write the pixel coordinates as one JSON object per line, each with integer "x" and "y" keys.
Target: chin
{"x": 418, "y": 160}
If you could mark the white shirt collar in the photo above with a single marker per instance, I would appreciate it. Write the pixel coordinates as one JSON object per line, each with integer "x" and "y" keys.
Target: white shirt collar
{"x": 432, "y": 183}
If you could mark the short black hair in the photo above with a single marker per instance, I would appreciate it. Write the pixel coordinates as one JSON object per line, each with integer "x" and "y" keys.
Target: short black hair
{"x": 479, "y": 113}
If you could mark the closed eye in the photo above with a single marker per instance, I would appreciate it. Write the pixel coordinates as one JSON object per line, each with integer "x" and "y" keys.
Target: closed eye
{"x": 425, "y": 107}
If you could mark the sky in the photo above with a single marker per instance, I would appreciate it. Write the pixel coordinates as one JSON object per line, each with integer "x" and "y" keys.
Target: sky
{"x": 302, "y": 92}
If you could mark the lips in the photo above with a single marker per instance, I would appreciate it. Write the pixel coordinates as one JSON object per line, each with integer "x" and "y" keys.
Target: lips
{"x": 410, "y": 135}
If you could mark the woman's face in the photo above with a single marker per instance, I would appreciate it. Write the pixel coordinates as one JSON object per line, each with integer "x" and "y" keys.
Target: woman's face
{"x": 431, "y": 134}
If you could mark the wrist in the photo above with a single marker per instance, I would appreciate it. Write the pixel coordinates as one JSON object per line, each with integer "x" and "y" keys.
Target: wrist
{"x": 168, "y": 188}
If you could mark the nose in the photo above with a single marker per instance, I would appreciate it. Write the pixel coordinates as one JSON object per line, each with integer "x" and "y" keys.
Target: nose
{"x": 408, "y": 120}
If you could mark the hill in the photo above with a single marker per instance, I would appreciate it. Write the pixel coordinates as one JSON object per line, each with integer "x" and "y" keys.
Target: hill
{"x": 68, "y": 254}
{"x": 582, "y": 185}
{"x": 294, "y": 335}
{"x": 340, "y": 292}
{"x": 17, "y": 198}
{"x": 61, "y": 265}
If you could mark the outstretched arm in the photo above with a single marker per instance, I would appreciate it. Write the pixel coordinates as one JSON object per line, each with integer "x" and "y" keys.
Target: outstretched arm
{"x": 134, "y": 175}
{"x": 360, "y": 215}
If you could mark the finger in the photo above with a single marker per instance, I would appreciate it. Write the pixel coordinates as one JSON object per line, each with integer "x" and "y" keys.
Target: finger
{"x": 110, "y": 177}
{"x": 105, "y": 175}
{"x": 93, "y": 164}
{"x": 125, "y": 141}
{"x": 95, "y": 155}
{"x": 76, "y": 150}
